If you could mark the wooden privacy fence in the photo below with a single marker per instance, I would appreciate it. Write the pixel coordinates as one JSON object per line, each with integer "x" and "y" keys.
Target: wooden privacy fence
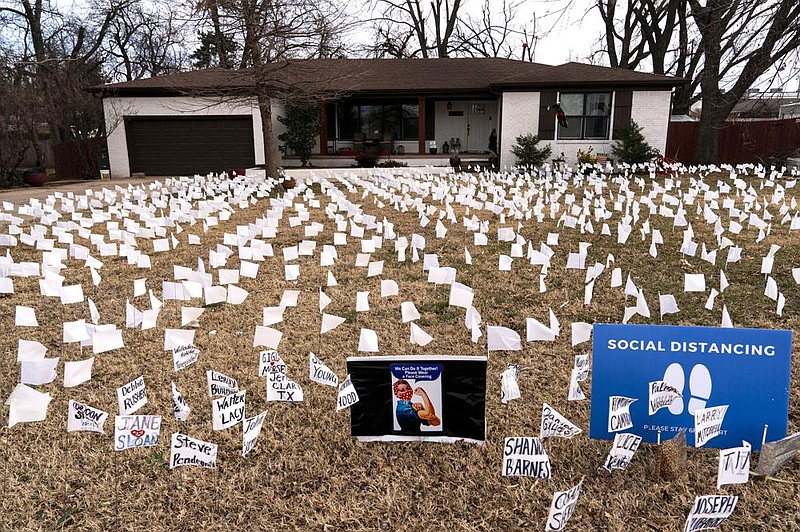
{"x": 739, "y": 142}
{"x": 78, "y": 159}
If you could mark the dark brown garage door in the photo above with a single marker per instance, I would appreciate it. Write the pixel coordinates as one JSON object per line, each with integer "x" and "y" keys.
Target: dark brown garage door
{"x": 188, "y": 146}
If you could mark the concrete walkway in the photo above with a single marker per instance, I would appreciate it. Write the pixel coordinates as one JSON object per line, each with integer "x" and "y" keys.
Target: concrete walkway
{"x": 25, "y": 194}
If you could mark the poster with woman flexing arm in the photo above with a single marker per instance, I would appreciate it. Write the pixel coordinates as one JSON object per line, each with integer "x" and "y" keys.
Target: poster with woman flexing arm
{"x": 417, "y": 398}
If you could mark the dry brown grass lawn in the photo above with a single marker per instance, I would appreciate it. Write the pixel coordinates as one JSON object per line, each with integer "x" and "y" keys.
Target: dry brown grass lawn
{"x": 306, "y": 473}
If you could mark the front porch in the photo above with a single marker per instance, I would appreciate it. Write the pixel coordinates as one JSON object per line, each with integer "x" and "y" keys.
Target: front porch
{"x": 399, "y": 126}
{"x": 414, "y": 160}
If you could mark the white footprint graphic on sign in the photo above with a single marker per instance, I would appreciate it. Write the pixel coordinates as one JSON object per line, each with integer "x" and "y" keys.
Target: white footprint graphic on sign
{"x": 675, "y": 377}
{"x": 699, "y": 388}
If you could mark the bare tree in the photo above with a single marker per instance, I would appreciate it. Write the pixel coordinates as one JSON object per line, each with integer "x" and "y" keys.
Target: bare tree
{"x": 276, "y": 37}
{"x": 145, "y": 40}
{"x": 497, "y": 33}
{"x": 741, "y": 41}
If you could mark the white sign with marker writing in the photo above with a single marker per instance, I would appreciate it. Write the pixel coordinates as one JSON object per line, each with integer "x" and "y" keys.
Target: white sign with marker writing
{"x": 525, "y": 457}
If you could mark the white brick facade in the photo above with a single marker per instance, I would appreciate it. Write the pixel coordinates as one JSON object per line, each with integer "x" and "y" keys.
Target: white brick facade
{"x": 651, "y": 110}
{"x": 520, "y": 115}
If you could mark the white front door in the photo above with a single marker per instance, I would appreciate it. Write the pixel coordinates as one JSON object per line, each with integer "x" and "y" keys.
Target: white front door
{"x": 466, "y": 123}
{"x": 480, "y": 121}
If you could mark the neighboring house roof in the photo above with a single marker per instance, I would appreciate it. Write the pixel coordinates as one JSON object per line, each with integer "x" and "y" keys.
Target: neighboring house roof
{"x": 764, "y": 107}
{"x": 374, "y": 76}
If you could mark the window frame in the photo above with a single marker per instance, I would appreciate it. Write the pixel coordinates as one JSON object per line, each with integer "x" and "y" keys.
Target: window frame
{"x": 586, "y": 114}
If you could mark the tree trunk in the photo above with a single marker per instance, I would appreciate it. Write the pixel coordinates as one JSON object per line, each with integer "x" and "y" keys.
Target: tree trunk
{"x": 270, "y": 151}
{"x": 706, "y": 147}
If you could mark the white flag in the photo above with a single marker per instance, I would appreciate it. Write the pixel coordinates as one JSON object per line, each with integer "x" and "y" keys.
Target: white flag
{"x": 502, "y": 339}
{"x": 561, "y": 508}
{"x": 251, "y": 429}
{"x": 622, "y": 451}
{"x": 228, "y": 410}
{"x": 82, "y": 417}
{"x": 132, "y": 396}
{"x": 282, "y": 388}
{"x": 708, "y": 423}
{"x": 709, "y": 511}
{"x": 734, "y": 465}
{"x": 179, "y": 405}
{"x": 509, "y": 387}
{"x": 186, "y": 451}
{"x": 76, "y": 373}
{"x": 320, "y": 373}
{"x": 554, "y": 424}
{"x": 347, "y": 394}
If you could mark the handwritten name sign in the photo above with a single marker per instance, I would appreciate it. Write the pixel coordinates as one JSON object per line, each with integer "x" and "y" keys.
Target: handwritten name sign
{"x": 131, "y": 432}
{"x": 709, "y": 511}
{"x": 734, "y": 465}
{"x": 270, "y": 362}
{"x": 282, "y": 388}
{"x": 661, "y": 395}
{"x": 619, "y": 414}
{"x": 320, "y": 373}
{"x": 525, "y": 457}
{"x": 347, "y": 395}
{"x": 227, "y": 411}
{"x": 708, "y": 423}
{"x": 220, "y": 384}
{"x": 186, "y": 451}
{"x": 562, "y": 507}
{"x": 131, "y": 396}
{"x": 184, "y": 356}
{"x": 554, "y": 424}
{"x": 251, "y": 429}
{"x": 622, "y": 451}
{"x": 83, "y": 417}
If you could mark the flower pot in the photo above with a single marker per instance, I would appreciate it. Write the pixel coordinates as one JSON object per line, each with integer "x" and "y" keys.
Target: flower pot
{"x": 34, "y": 178}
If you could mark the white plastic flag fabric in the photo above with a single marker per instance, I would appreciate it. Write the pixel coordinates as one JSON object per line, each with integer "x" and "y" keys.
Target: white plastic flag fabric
{"x": 622, "y": 451}
{"x": 31, "y": 350}
{"x": 734, "y": 465}
{"x": 710, "y": 511}
{"x": 554, "y": 424}
{"x": 502, "y": 339}
{"x": 347, "y": 396}
{"x": 619, "y": 415}
{"x": 330, "y": 322}
{"x": 187, "y": 451}
{"x": 667, "y": 305}
{"x": 562, "y": 507}
{"x": 37, "y": 372}
{"x": 581, "y": 332}
{"x": 320, "y": 373}
{"x": 419, "y": 337}
{"x": 282, "y": 388}
{"x": 324, "y": 301}
{"x": 525, "y": 457}
{"x": 76, "y": 373}
{"x": 132, "y": 396}
{"x": 251, "y": 429}
{"x": 267, "y": 337}
{"x": 509, "y": 386}
{"x": 82, "y": 417}
{"x": 25, "y": 317}
{"x": 179, "y": 405}
{"x": 408, "y": 312}
{"x": 362, "y": 301}
{"x": 708, "y": 423}
{"x": 177, "y": 337}
{"x": 537, "y": 331}
{"x": 368, "y": 341}
{"x": 389, "y": 288}
{"x": 726, "y": 318}
{"x": 27, "y": 405}
{"x": 228, "y": 410}
{"x": 461, "y": 296}
{"x": 694, "y": 282}
{"x": 272, "y": 315}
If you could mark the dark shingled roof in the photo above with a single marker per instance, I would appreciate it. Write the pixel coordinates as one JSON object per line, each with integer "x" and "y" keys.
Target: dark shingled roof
{"x": 370, "y": 76}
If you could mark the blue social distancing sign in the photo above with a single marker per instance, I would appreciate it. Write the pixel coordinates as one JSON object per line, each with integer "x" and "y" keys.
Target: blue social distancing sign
{"x": 746, "y": 369}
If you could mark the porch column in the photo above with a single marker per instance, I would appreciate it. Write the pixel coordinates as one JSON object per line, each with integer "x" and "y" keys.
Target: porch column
{"x": 421, "y": 125}
{"x": 323, "y": 135}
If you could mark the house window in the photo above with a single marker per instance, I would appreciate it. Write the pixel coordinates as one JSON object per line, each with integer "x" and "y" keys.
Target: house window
{"x": 378, "y": 121}
{"x": 588, "y": 115}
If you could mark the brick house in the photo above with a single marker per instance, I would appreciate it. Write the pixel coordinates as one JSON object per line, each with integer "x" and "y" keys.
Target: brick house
{"x": 207, "y": 120}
